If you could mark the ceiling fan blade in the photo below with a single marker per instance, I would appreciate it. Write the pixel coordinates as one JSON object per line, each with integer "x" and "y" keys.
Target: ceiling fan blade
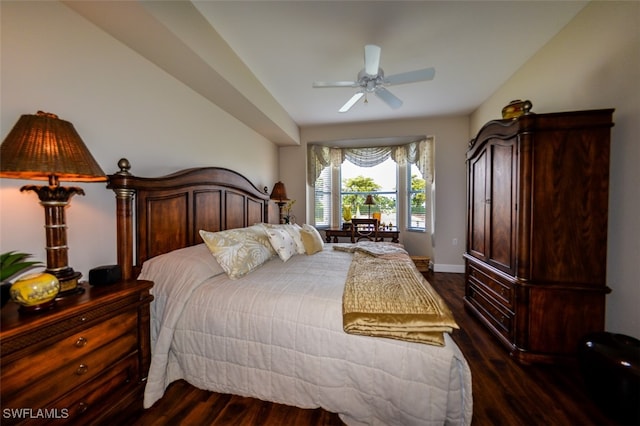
{"x": 392, "y": 100}
{"x": 355, "y": 98}
{"x": 321, "y": 84}
{"x": 371, "y": 59}
{"x": 411, "y": 76}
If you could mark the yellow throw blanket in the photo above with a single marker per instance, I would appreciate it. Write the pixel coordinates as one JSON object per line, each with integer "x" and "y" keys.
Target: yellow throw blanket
{"x": 386, "y": 296}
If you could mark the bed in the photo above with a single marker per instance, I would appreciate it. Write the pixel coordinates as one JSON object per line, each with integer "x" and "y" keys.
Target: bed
{"x": 273, "y": 330}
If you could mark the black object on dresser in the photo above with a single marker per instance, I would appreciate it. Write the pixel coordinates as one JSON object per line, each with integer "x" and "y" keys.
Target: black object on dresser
{"x": 105, "y": 275}
{"x": 535, "y": 260}
{"x": 83, "y": 362}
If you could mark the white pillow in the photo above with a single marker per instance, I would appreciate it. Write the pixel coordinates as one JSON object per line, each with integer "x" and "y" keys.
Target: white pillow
{"x": 194, "y": 261}
{"x": 282, "y": 242}
{"x": 239, "y": 251}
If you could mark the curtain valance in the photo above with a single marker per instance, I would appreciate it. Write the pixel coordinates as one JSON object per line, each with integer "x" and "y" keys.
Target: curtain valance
{"x": 419, "y": 153}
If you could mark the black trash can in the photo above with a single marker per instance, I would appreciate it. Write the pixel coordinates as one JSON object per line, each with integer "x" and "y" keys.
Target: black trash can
{"x": 610, "y": 365}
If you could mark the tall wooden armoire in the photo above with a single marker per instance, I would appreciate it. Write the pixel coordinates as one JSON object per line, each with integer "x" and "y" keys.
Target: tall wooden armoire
{"x": 535, "y": 260}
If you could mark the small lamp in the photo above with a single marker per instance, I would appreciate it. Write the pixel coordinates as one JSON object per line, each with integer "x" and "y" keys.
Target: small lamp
{"x": 279, "y": 195}
{"x": 44, "y": 147}
{"x": 369, "y": 202}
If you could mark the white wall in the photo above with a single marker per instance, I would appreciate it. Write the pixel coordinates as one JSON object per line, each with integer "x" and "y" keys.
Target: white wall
{"x": 594, "y": 62}
{"x": 451, "y": 138}
{"x": 122, "y": 106}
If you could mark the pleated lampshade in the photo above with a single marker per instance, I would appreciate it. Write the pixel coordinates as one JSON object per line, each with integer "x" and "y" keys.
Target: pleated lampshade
{"x": 42, "y": 146}
{"x": 279, "y": 193}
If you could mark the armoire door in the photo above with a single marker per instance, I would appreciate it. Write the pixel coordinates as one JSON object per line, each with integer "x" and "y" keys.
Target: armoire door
{"x": 501, "y": 204}
{"x": 477, "y": 230}
{"x": 492, "y": 204}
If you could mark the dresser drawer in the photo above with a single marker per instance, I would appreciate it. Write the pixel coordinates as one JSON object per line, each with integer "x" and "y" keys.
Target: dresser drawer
{"x": 492, "y": 284}
{"x": 69, "y": 362}
{"x": 90, "y": 401}
{"x": 43, "y": 335}
{"x": 500, "y": 318}
{"x": 84, "y": 405}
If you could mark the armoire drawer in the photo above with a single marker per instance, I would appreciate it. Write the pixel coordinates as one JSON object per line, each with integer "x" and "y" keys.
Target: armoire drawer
{"x": 498, "y": 315}
{"x": 492, "y": 284}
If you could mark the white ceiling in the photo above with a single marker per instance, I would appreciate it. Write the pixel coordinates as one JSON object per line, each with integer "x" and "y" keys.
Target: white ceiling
{"x": 475, "y": 46}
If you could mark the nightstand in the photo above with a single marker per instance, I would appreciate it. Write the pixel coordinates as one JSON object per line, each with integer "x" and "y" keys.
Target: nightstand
{"x": 84, "y": 361}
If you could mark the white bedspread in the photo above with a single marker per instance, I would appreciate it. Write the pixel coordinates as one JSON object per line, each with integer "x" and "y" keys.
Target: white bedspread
{"x": 276, "y": 334}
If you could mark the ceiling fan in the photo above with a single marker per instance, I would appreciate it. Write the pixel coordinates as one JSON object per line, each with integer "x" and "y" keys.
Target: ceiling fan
{"x": 372, "y": 80}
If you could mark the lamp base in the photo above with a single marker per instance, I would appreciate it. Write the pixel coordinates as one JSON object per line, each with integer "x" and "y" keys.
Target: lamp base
{"x": 73, "y": 292}
{"x": 55, "y": 198}
{"x": 68, "y": 279}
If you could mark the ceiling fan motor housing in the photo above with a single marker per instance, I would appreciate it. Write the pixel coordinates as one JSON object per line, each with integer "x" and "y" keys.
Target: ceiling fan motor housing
{"x": 370, "y": 82}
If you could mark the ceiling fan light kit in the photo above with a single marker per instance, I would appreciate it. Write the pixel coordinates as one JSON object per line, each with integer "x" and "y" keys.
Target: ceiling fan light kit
{"x": 372, "y": 80}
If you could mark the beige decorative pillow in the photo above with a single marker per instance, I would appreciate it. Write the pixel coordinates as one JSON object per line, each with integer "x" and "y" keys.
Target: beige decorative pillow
{"x": 282, "y": 242}
{"x": 239, "y": 251}
{"x": 311, "y": 239}
{"x": 293, "y": 230}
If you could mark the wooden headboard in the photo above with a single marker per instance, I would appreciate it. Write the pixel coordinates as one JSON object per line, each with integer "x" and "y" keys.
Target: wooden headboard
{"x": 169, "y": 211}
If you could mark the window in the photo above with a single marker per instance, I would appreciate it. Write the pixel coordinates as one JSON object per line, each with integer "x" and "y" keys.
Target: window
{"x": 323, "y": 198}
{"x": 379, "y": 181}
{"x": 417, "y": 203}
{"x": 399, "y": 178}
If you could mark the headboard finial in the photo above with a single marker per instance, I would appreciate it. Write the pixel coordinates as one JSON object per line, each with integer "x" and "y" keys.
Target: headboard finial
{"x": 124, "y": 166}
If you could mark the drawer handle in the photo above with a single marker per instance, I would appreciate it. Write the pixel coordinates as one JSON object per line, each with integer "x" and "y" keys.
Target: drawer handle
{"x": 81, "y": 342}
{"x": 82, "y": 369}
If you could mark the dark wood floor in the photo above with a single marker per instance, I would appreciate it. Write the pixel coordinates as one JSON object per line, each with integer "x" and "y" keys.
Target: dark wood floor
{"x": 504, "y": 392}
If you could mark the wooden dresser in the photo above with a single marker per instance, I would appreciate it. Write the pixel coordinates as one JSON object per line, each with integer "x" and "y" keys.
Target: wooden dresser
{"x": 84, "y": 361}
{"x": 537, "y": 230}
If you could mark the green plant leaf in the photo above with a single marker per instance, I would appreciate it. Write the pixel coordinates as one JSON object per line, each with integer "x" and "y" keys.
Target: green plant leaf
{"x": 12, "y": 263}
{"x": 12, "y": 257}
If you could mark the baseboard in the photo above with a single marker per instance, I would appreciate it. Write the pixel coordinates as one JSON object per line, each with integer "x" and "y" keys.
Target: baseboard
{"x": 458, "y": 269}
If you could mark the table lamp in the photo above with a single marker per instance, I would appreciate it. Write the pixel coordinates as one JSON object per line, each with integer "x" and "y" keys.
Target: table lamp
{"x": 369, "y": 202}
{"x": 44, "y": 147}
{"x": 279, "y": 195}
